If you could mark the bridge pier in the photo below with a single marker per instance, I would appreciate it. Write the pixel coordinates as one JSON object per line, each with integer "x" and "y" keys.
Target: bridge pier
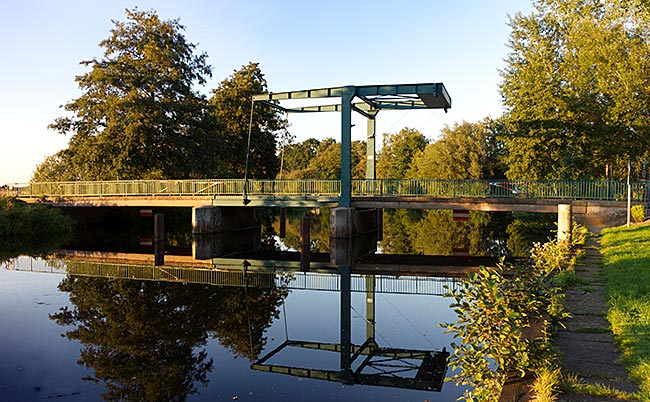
{"x": 564, "y": 222}
{"x": 210, "y": 219}
{"x": 216, "y": 245}
{"x": 353, "y": 234}
{"x": 351, "y": 222}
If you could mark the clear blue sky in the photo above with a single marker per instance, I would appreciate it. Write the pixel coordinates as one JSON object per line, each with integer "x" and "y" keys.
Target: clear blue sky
{"x": 299, "y": 44}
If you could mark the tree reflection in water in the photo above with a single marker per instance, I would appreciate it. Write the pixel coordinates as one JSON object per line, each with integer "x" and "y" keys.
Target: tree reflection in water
{"x": 147, "y": 340}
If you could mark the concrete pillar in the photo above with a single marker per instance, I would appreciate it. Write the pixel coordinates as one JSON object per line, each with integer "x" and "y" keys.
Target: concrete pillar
{"x": 215, "y": 245}
{"x": 347, "y": 251}
{"x": 209, "y": 219}
{"x": 350, "y": 222}
{"x": 341, "y": 222}
{"x": 564, "y": 222}
{"x": 353, "y": 234}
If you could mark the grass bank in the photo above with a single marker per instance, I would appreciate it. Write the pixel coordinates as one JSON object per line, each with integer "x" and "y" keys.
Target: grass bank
{"x": 626, "y": 263}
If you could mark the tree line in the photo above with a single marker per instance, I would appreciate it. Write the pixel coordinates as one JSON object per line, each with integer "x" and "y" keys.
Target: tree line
{"x": 574, "y": 90}
{"x": 139, "y": 116}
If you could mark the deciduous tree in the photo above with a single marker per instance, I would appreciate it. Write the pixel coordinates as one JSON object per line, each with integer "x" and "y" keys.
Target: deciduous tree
{"x": 464, "y": 151}
{"x": 397, "y": 153}
{"x": 138, "y": 115}
{"x": 576, "y": 88}
{"x": 325, "y": 160}
{"x": 231, "y": 102}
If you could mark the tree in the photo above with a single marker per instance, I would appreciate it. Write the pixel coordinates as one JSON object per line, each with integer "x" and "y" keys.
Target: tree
{"x": 325, "y": 162}
{"x": 576, "y": 88}
{"x": 298, "y": 156}
{"x": 231, "y": 103}
{"x": 56, "y": 167}
{"x": 396, "y": 156}
{"x": 138, "y": 116}
{"x": 466, "y": 151}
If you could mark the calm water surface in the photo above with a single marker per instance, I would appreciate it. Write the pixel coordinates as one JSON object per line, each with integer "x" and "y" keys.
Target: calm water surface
{"x": 68, "y": 337}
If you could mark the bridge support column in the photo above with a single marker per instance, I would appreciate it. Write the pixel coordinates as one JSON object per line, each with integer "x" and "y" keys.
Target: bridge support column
{"x": 350, "y": 222}
{"x": 209, "y": 219}
{"x": 353, "y": 234}
{"x": 564, "y": 222}
{"x": 215, "y": 245}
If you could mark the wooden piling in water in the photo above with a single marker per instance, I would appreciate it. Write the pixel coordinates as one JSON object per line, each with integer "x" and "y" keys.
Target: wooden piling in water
{"x": 159, "y": 239}
{"x": 305, "y": 243}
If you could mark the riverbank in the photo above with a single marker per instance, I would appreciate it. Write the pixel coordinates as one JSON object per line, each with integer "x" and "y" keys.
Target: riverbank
{"x": 603, "y": 352}
{"x": 34, "y": 228}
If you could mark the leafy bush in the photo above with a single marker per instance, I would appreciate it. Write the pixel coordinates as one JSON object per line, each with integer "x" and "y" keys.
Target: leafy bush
{"x": 504, "y": 315}
{"x": 638, "y": 213}
{"x": 21, "y": 223}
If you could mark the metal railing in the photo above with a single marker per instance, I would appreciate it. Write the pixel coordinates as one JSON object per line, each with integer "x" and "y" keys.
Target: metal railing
{"x": 544, "y": 189}
{"x": 388, "y": 284}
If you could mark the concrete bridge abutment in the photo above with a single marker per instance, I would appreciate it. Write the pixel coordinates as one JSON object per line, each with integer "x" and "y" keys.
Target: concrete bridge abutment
{"x": 211, "y": 219}
{"x": 350, "y": 222}
{"x": 353, "y": 233}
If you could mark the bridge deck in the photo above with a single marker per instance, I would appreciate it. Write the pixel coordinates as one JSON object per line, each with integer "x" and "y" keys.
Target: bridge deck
{"x": 489, "y": 195}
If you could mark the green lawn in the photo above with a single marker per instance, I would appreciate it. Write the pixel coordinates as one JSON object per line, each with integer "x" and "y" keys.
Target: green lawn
{"x": 626, "y": 259}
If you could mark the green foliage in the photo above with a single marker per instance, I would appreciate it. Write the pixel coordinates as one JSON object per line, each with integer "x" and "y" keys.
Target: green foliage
{"x": 32, "y": 228}
{"x": 318, "y": 229}
{"x": 57, "y": 167}
{"x": 638, "y": 213}
{"x": 575, "y": 87}
{"x": 399, "y": 230}
{"x": 397, "y": 153}
{"x": 231, "y": 104}
{"x": 503, "y": 318}
{"x": 434, "y": 232}
{"x": 315, "y": 159}
{"x": 138, "y": 116}
{"x": 626, "y": 258}
{"x": 527, "y": 229}
{"x": 466, "y": 151}
{"x": 568, "y": 278}
{"x": 298, "y": 156}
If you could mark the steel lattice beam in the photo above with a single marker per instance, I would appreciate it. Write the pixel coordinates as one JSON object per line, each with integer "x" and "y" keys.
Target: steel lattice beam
{"x": 373, "y": 98}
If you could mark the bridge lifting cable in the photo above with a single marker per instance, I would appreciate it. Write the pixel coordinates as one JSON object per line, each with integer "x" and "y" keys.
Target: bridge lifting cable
{"x": 246, "y": 201}
{"x": 409, "y": 321}
{"x": 373, "y": 324}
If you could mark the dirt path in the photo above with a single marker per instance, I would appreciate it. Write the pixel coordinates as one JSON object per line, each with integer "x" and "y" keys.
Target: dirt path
{"x": 586, "y": 345}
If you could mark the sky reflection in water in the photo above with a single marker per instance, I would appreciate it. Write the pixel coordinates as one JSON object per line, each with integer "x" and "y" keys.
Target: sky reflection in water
{"x": 40, "y": 361}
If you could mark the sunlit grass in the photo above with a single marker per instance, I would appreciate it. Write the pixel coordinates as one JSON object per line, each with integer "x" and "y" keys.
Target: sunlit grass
{"x": 626, "y": 260}
{"x": 545, "y": 386}
{"x": 572, "y": 383}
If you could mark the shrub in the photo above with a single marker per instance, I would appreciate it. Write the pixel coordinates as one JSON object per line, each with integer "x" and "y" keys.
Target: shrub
{"x": 21, "y": 223}
{"x": 638, "y": 213}
{"x": 498, "y": 310}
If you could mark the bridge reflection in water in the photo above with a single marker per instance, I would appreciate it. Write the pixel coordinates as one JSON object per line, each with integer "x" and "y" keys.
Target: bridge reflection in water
{"x": 367, "y": 363}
